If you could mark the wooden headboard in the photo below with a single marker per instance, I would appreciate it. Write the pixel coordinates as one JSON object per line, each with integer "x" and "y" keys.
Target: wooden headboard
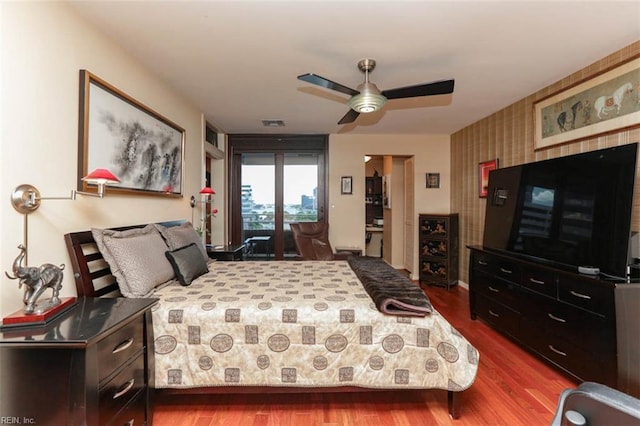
{"x": 91, "y": 272}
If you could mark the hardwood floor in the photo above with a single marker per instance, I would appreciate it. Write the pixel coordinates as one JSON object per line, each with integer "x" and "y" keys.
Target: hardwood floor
{"x": 512, "y": 388}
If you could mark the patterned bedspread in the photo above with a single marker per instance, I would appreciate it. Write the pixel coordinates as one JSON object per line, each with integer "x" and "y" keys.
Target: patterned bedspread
{"x": 300, "y": 323}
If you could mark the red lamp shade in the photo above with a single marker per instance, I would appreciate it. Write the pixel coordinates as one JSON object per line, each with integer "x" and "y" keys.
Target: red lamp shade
{"x": 208, "y": 191}
{"x": 101, "y": 176}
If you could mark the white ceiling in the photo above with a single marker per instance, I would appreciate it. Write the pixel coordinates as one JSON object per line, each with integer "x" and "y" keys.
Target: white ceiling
{"x": 238, "y": 60}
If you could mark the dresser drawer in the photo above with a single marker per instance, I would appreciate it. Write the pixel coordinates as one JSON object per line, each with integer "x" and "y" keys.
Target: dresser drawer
{"x": 540, "y": 281}
{"x": 588, "y": 294}
{"x": 508, "y": 270}
{"x": 483, "y": 262}
{"x": 580, "y": 362}
{"x": 498, "y": 315}
{"x": 133, "y": 414}
{"x": 117, "y": 348}
{"x": 501, "y": 291}
{"x": 583, "y": 329}
{"x": 117, "y": 393}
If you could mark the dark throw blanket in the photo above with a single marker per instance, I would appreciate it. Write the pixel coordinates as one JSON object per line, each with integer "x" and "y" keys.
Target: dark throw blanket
{"x": 392, "y": 292}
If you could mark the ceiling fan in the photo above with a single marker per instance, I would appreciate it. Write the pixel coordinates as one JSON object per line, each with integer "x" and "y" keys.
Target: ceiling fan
{"x": 368, "y": 98}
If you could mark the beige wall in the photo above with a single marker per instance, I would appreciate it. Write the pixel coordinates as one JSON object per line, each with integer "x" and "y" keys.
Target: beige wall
{"x": 346, "y": 158}
{"x": 44, "y": 45}
{"x": 508, "y": 136}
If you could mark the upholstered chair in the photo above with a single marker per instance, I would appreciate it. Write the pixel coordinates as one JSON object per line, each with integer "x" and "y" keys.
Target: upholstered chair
{"x": 312, "y": 241}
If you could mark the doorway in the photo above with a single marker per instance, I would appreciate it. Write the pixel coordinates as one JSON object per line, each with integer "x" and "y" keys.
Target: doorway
{"x": 389, "y": 226}
{"x": 274, "y": 181}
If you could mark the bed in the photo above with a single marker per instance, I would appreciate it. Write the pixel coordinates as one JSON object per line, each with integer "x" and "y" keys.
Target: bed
{"x": 284, "y": 325}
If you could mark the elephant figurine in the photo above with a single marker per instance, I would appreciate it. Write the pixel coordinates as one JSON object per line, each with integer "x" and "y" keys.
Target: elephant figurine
{"x": 37, "y": 281}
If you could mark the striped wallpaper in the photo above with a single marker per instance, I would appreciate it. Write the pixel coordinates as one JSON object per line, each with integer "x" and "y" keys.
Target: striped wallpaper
{"x": 508, "y": 136}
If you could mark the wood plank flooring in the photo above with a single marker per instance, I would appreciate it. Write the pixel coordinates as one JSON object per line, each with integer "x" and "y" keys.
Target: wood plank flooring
{"x": 512, "y": 388}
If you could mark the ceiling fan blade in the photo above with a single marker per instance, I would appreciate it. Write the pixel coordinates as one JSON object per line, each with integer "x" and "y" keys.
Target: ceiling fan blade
{"x": 321, "y": 81}
{"x": 349, "y": 117}
{"x": 436, "y": 88}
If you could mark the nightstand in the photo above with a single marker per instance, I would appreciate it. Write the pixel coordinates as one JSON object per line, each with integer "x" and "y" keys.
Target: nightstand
{"x": 231, "y": 252}
{"x": 92, "y": 365}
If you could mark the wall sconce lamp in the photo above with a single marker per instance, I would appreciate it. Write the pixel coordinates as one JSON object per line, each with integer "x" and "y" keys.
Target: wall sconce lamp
{"x": 208, "y": 192}
{"x": 26, "y": 198}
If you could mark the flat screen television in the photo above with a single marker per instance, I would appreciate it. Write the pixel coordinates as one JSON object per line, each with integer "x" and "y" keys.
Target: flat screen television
{"x": 569, "y": 212}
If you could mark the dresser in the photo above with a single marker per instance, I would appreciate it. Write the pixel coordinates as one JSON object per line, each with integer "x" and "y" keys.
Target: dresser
{"x": 92, "y": 365}
{"x": 585, "y": 326}
{"x": 438, "y": 255}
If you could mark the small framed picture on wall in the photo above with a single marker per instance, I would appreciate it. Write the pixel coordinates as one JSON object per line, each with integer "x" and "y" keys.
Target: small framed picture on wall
{"x": 483, "y": 176}
{"x": 433, "y": 180}
{"x": 346, "y": 185}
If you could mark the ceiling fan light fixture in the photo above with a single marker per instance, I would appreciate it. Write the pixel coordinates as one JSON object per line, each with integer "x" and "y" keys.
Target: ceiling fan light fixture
{"x": 367, "y": 102}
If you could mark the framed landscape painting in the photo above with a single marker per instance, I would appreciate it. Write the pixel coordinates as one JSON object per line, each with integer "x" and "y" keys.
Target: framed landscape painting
{"x": 139, "y": 146}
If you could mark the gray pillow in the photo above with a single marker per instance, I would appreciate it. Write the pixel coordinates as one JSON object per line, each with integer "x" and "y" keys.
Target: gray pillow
{"x": 181, "y": 236}
{"x": 187, "y": 263}
{"x": 136, "y": 258}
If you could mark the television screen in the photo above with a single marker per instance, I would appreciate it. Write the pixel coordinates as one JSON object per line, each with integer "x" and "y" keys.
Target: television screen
{"x": 569, "y": 211}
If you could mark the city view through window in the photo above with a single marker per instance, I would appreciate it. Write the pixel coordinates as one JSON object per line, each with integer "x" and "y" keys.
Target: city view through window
{"x": 300, "y": 193}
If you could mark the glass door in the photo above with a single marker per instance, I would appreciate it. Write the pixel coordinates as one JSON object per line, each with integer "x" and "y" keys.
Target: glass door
{"x": 273, "y": 185}
{"x": 258, "y": 204}
{"x": 299, "y": 193}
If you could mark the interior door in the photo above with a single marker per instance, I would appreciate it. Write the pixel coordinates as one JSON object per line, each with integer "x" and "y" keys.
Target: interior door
{"x": 409, "y": 215}
{"x": 273, "y": 184}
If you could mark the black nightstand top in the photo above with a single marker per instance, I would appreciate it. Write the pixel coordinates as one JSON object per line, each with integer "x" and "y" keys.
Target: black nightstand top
{"x": 87, "y": 321}
{"x": 227, "y": 252}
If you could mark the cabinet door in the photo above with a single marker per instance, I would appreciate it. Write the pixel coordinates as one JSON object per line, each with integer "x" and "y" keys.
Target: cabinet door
{"x": 433, "y": 226}
{"x": 434, "y": 248}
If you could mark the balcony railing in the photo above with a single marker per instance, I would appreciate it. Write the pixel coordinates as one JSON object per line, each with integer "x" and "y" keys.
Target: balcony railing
{"x": 256, "y": 221}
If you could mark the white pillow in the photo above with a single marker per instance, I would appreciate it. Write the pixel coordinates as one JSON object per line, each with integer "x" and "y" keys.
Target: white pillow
{"x": 136, "y": 258}
{"x": 181, "y": 236}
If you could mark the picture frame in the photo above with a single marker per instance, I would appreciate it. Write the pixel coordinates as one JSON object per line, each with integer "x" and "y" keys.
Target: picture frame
{"x": 433, "y": 180}
{"x": 483, "y": 176}
{"x": 602, "y": 104}
{"x": 346, "y": 185}
{"x": 143, "y": 149}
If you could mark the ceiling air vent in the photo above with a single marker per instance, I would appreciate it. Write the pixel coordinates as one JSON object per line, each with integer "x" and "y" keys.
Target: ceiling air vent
{"x": 273, "y": 123}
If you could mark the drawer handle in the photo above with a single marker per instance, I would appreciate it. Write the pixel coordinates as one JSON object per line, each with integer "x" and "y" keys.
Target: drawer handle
{"x": 533, "y": 280}
{"x": 555, "y": 318}
{"x": 495, "y": 290}
{"x": 580, "y": 295}
{"x": 123, "y": 346}
{"x": 506, "y": 271}
{"x": 482, "y": 263}
{"x": 557, "y": 351}
{"x": 494, "y": 314}
{"x": 124, "y": 389}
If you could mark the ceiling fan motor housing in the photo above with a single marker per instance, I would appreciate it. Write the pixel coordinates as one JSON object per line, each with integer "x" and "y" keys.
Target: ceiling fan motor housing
{"x": 368, "y": 100}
